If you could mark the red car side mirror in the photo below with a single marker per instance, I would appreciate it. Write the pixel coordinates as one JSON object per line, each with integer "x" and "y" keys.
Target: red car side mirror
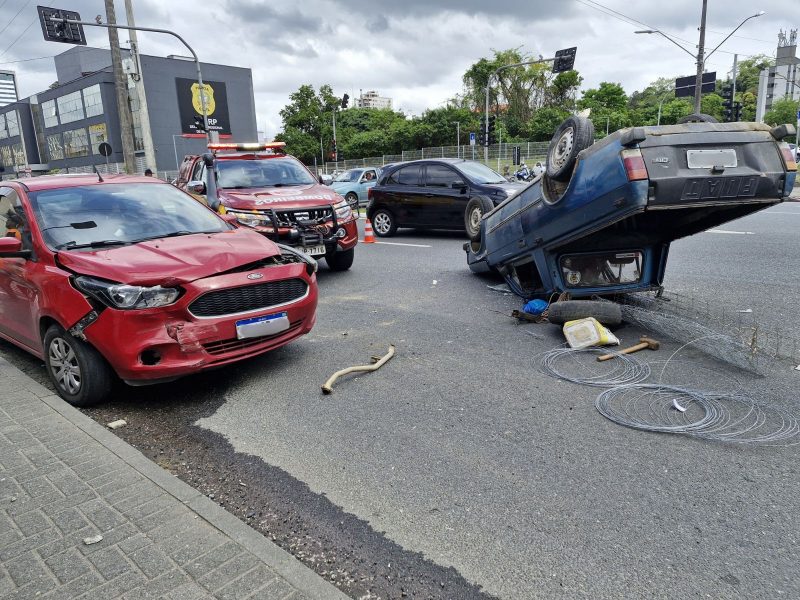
{"x": 10, "y": 245}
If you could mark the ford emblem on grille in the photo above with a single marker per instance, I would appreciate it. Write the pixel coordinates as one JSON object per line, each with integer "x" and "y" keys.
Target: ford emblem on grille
{"x": 254, "y": 276}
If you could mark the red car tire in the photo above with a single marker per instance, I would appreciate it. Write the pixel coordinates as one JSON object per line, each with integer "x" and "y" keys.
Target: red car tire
{"x": 80, "y": 374}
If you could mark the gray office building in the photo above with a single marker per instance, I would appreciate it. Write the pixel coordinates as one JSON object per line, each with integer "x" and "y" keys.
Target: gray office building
{"x": 8, "y": 88}
{"x": 61, "y": 129}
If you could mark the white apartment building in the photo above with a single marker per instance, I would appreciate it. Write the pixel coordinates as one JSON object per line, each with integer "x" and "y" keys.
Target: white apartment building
{"x": 372, "y": 99}
{"x": 782, "y": 80}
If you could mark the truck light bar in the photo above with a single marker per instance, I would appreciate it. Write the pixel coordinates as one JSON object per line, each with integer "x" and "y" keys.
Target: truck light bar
{"x": 252, "y": 146}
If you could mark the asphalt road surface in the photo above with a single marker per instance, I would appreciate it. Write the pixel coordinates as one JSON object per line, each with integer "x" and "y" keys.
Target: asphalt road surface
{"x": 460, "y": 450}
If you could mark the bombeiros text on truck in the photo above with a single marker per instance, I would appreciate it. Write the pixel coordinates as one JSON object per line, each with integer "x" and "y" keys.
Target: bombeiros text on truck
{"x": 275, "y": 194}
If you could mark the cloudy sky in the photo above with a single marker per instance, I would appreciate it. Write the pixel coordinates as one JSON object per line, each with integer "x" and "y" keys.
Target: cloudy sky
{"x": 414, "y": 51}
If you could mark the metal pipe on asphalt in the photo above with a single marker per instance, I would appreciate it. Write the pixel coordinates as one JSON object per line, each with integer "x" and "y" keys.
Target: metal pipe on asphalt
{"x": 327, "y": 388}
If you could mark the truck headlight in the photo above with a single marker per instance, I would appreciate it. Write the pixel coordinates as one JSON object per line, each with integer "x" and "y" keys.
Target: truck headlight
{"x": 342, "y": 210}
{"x": 251, "y": 219}
{"x": 126, "y": 297}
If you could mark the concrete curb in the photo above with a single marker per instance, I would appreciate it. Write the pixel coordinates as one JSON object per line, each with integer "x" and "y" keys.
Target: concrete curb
{"x": 287, "y": 566}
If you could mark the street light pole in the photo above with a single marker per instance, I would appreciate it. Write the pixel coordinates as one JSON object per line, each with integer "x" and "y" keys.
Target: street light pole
{"x": 660, "y": 104}
{"x": 154, "y": 30}
{"x": 458, "y": 139}
{"x": 701, "y": 57}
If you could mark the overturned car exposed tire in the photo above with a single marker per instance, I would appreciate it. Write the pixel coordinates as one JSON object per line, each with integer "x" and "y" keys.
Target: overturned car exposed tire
{"x": 607, "y": 313}
{"x": 576, "y": 133}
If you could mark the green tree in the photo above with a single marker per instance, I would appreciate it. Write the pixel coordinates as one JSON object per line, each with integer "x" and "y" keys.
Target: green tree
{"x": 517, "y": 93}
{"x": 544, "y": 122}
{"x": 783, "y": 111}
{"x": 711, "y": 104}
{"x": 749, "y": 70}
{"x": 608, "y": 96}
{"x": 308, "y": 117}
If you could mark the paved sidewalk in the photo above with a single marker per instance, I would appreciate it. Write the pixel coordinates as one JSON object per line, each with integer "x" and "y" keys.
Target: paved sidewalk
{"x": 64, "y": 478}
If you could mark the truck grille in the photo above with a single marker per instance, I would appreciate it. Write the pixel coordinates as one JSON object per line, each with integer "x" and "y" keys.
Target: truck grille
{"x": 305, "y": 214}
{"x": 232, "y": 301}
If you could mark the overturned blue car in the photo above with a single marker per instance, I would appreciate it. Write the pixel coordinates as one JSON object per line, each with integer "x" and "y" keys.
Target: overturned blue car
{"x": 601, "y": 218}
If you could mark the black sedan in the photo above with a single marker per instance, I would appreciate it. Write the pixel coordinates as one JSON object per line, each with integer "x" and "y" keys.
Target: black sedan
{"x": 445, "y": 193}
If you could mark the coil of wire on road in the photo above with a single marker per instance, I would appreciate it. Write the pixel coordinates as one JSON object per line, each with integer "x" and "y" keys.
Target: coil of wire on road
{"x": 715, "y": 416}
{"x": 622, "y": 370}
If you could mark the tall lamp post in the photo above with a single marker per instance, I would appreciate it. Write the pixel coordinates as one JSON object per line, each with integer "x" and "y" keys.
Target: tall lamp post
{"x": 458, "y": 138}
{"x": 701, "y": 57}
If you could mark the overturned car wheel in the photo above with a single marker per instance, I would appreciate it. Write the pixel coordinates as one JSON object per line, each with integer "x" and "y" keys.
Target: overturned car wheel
{"x": 573, "y": 135}
{"x": 476, "y": 208}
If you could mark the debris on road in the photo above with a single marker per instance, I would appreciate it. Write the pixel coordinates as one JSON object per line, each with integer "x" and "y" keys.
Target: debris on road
{"x": 644, "y": 342}
{"x": 502, "y": 288}
{"x": 93, "y": 540}
{"x": 625, "y": 371}
{"x": 117, "y": 424}
{"x": 378, "y": 362}
{"x": 722, "y": 417}
{"x": 583, "y": 333}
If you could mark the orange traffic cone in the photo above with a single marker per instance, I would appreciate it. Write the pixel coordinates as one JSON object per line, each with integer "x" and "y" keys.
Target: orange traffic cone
{"x": 369, "y": 238}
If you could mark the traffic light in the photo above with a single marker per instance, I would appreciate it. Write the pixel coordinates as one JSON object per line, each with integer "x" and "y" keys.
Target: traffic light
{"x": 491, "y": 139}
{"x": 727, "y": 102}
{"x": 737, "y": 111}
{"x": 333, "y": 149}
{"x": 345, "y": 100}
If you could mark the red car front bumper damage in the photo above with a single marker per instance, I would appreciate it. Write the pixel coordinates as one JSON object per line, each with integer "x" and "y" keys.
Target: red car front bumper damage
{"x": 160, "y": 344}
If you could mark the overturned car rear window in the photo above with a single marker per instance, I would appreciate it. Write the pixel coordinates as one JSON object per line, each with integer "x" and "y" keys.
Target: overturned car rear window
{"x": 601, "y": 269}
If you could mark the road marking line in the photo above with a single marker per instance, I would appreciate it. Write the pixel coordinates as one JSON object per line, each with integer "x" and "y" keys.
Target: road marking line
{"x": 399, "y": 244}
{"x": 730, "y": 232}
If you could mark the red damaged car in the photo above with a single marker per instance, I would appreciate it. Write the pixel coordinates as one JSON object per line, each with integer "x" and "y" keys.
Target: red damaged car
{"x": 276, "y": 195}
{"x": 134, "y": 278}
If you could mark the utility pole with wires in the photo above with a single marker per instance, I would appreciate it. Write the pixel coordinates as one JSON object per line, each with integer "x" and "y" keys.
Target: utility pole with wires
{"x": 138, "y": 79}
{"x": 121, "y": 84}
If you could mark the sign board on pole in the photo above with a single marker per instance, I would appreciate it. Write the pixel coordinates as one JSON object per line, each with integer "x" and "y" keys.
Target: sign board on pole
{"x": 565, "y": 60}
{"x": 798, "y": 116}
{"x": 59, "y": 31}
{"x": 684, "y": 86}
{"x": 190, "y": 106}
{"x": 472, "y": 138}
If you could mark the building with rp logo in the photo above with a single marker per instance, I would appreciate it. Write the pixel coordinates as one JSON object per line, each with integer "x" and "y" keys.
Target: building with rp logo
{"x": 63, "y": 127}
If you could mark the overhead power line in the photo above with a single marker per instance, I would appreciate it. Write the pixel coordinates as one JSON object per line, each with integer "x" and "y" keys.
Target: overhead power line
{"x": 15, "y": 16}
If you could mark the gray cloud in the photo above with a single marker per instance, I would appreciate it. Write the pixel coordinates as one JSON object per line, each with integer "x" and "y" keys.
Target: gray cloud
{"x": 415, "y": 51}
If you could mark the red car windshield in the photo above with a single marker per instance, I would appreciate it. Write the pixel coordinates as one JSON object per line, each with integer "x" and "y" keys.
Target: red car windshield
{"x": 115, "y": 214}
{"x": 267, "y": 172}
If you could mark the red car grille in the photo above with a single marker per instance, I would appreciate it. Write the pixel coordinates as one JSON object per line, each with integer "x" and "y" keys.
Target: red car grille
{"x": 225, "y": 346}
{"x": 236, "y": 300}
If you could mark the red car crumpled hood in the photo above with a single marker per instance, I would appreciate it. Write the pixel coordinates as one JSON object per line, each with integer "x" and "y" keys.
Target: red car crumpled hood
{"x": 279, "y": 198}
{"x": 171, "y": 261}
